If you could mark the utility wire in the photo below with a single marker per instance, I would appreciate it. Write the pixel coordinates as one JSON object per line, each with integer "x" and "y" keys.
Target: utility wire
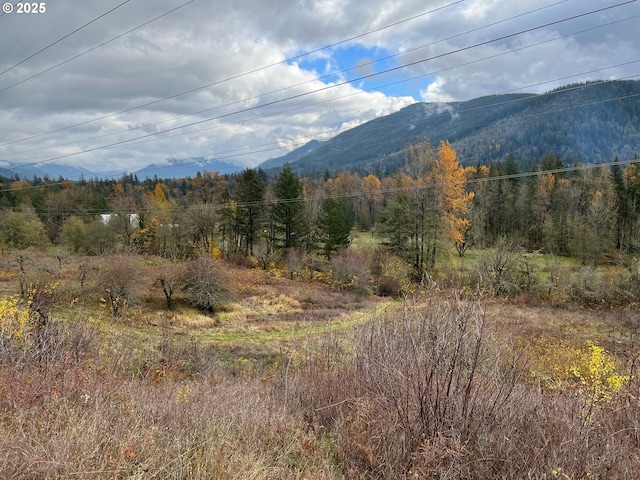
{"x": 237, "y": 76}
{"x": 222, "y": 156}
{"x": 327, "y": 76}
{"x": 302, "y": 140}
{"x": 416, "y": 187}
{"x": 95, "y": 48}
{"x": 62, "y": 38}
{"x": 533, "y": 97}
{"x": 278, "y": 101}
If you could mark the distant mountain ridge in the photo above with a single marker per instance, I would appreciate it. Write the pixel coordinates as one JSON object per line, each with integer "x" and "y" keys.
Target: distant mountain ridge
{"x": 589, "y": 123}
{"x": 188, "y": 168}
{"x": 171, "y": 169}
{"x": 42, "y": 170}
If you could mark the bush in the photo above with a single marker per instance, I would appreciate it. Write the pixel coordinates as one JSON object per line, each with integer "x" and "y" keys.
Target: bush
{"x": 593, "y": 286}
{"x": 118, "y": 276}
{"x": 350, "y": 269}
{"x": 389, "y": 287}
{"x": 501, "y": 268}
{"x": 435, "y": 392}
{"x": 205, "y": 284}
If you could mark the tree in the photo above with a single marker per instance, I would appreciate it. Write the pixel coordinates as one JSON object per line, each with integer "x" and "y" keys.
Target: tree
{"x": 206, "y": 188}
{"x": 123, "y": 202}
{"x": 74, "y": 234}
{"x": 21, "y": 229}
{"x": 372, "y": 186}
{"x": 119, "y": 278}
{"x": 249, "y": 195}
{"x": 453, "y": 198}
{"x": 200, "y": 221}
{"x": 100, "y": 238}
{"x": 288, "y": 210}
{"x": 335, "y": 224}
{"x": 410, "y": 223}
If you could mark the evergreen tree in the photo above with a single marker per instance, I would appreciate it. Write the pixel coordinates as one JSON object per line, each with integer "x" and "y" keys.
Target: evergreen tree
{"x": 250, "y": 195}
{"x": 288, "y": 211}
{"x": 335, "y": 224}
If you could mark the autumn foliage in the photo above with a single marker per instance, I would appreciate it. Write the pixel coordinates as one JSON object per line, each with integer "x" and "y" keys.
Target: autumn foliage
{"x": 454, "y": 199}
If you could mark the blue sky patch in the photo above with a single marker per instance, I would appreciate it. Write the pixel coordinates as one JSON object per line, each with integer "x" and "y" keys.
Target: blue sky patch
{"x": 364, "y": 66}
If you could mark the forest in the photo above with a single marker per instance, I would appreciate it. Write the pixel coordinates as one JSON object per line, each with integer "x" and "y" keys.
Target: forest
{"x": 588, "y": 212}
{"x": 440, "y": 322}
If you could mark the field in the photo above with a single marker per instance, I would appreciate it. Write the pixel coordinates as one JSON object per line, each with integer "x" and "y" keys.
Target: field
{"x": 293, "y": 376}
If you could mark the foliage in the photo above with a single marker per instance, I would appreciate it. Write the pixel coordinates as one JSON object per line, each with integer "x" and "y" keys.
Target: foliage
{"x": 288, "y": 211}
{"x": 597, "y": 374}
{"x": 351, "y": 270}
{"x": 250, "y": 195}
{"x": 335, "y": 224}
{"x": 455, "y": 201}
{"x": 74, "y": 234}
{"x": 21, "y": 229}
{"x": 24, "y": 320}
{"x": 591, "y": 371}
{"x": 117, "y": 277}
{"x": 392, "y": 272}
{"x": 15, "y": 321}
{"x": 500, "y": 268}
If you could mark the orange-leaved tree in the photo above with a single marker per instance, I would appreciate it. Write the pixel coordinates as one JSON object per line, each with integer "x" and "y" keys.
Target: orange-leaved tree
{"x": 454, "y": 199}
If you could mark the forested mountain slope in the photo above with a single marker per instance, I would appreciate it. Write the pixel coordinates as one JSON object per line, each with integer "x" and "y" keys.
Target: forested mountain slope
{"x": 589, "y": 123}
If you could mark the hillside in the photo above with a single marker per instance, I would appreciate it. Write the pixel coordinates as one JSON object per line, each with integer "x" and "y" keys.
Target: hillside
{"x": 590, "y": 123}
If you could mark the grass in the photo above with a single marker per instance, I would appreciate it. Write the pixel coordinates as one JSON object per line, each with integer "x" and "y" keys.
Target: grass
{"x": 295, "y": 379}
{"x": 365, "y": 240}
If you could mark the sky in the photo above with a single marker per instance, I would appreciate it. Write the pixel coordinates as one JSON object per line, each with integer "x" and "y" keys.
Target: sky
{"x": 109, "y": 86}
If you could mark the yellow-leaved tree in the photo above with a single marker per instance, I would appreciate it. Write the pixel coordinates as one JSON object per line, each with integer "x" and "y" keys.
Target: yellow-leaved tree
{"x": 454, "y": 199}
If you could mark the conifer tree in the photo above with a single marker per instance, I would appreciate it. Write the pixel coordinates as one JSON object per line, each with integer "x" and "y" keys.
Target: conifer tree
{"x": 249, "y": 195}
{"x": 454, "y": 200}
{"x": 288, "y": 210}
{"x": 335, "y": 224}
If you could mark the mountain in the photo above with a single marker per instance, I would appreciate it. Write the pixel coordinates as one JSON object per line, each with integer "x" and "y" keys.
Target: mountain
{"x": 187, "y": 168}
{"x": 589, "y": 122}
{"x": 292, "y": 156}
{"x": 42, "y": 170}
{"x": 171, "y": 169}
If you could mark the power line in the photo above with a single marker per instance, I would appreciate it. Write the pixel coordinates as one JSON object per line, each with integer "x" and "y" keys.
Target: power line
{"x": 417, "y": 187}
{"x": 342, "y": 129}
{"x": 62, "y": 38}
{"x": 339, "y": 84}
{"x": 95, "y": 48}
{"x": 467, "y": 110}
{"x": 331, "y": 75}
{"x": 234, "y": 153}
{"x": 237, "y": 76}
{"x": 267, "y": 147}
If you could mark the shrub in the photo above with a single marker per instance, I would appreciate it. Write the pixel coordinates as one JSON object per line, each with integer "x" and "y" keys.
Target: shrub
{"x": 594, "y": 286}
{"x": 15, "y": 322}
{"x": 389, "y": 287}
{"x": 118, "y": 276}
{"x": 434, "y": 392}
{"x": 390, "y": 269}
{"x": 500, "y": 268}
{"x": 422, "y": 377}
{"x": 351, "y": 270}
{"x": 205, "y": 284}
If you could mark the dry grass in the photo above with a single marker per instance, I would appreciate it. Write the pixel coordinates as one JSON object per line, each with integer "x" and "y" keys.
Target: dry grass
{"x": 295, "y": 380}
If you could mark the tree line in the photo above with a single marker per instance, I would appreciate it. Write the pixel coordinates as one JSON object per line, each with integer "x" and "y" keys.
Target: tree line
{"x": 433, "y": 204}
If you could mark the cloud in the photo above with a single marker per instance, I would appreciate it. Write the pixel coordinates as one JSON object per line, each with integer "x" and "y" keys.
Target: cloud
{"x": 225, "y": 45}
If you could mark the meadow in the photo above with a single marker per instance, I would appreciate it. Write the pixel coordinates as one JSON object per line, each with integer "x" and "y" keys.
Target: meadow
{"x": 302, "y": 370}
